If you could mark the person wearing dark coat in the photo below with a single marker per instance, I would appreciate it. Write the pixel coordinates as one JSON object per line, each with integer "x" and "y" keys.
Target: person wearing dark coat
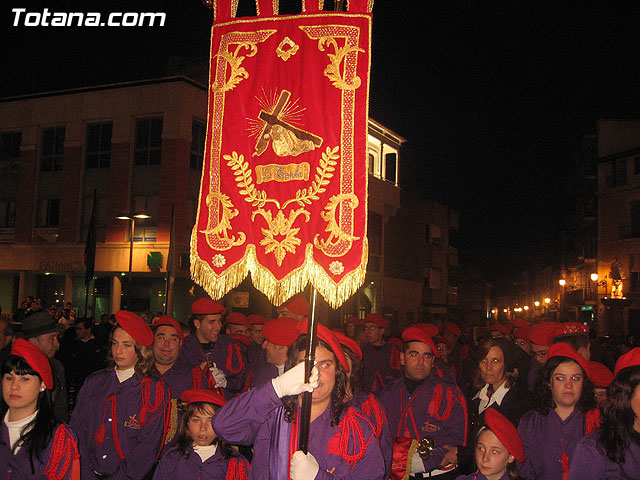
{"x": 497, "y": 385}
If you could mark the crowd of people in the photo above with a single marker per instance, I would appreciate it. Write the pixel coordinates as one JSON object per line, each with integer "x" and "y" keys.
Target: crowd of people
{"x": 220, "y": 397}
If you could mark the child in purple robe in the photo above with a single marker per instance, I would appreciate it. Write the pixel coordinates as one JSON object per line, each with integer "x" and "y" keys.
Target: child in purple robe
{"x": 497, "y": 448}
{"x": 564, "y": 412}
{"x": 123, "y": 414}
{"x": 32, "y": 443}
{"x": 614, "y": 451}
{"x": 199, "y": 453}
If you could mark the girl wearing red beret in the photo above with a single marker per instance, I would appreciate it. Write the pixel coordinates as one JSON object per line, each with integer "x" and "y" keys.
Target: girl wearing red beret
{"x": 199, "y": 452}
{"x": 614, "y": 451}
{"x": 564, "y": 412}
{"x": 32, "y": 443}
{"x": 122, "y": 413}
{"x": 497, "y": 448}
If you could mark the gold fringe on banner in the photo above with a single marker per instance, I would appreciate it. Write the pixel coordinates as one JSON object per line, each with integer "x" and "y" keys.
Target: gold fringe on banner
{"x": 277, "y": 291}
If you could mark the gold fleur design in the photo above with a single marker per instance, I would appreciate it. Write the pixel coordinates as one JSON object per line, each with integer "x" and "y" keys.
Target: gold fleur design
{"x": 336, "y": 267}
{"x": 280, "y": 227}
{"x": 218, "y": 260}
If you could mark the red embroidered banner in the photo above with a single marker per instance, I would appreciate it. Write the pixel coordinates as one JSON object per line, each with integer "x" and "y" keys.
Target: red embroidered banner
{"x": 283, "y": 194}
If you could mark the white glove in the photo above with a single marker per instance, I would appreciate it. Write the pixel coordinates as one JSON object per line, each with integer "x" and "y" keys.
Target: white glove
{"x": 218, "y": 376}
{"x": 303, "y": 467}
{"x": 291, "y": 382}
{"x": 416, "y": 463}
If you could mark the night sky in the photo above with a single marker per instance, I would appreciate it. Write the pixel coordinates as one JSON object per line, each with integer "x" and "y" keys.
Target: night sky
{"x": 493, "y": 97}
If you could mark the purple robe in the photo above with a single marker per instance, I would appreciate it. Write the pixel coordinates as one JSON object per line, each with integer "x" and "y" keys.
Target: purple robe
{"x": 257, "y": 417}
{"x": 18, "y": 466}
{"x": 532, "y": 376}
{"x": 545, "y": 438}
{"x": 140, "y": 443}
{"x": 371, "y": 406}
{"x": 409, "y": 414}
{"x": 381, "y": 366}
{"x": 224, "y": 353}
{"x": 255, "y": 353}
{"x": 590, "y": 462}
{"x": 173, "y": 465}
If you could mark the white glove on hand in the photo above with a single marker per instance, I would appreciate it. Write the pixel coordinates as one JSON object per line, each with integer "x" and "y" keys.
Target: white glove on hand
{"x": 416, "y": 463}
{"x": 303, "y": 467}
{"x": 291, "y": 382}
{"x": 218, "y": 376}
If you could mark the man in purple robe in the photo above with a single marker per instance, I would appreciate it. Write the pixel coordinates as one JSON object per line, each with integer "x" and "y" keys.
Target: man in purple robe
{"x": 212, "y": 350}
{"x": 422, "y": 404}
{"x": 381, "y": 359}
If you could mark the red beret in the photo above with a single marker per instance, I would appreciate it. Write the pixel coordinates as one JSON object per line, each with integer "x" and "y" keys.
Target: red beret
{"x": 521, "y": 332}
{"x": 238, "y": 318}
{"x": 207, "y": 396}
{"x": 498, "y": 327}
{"x": 440, "y": 339}
{"x": 351, "y": 319}
{"x": 281, "y": 331}
{"x": 206, "y": 306}
{"x": 329, "y": 338}
{"x": 542, "y": 333}
{"x": 629, "y": 359}
{"x": 395, "y": 341}
{"x": 172, "y": 322}
{"x": 505, "y": 431}
{"x": 377, "y": 319}
{"x": 350, "y": 343}
{"x": 429, "y": 328}
{"x": 135, "y": 326}
{"x": 240, "y": 338}
{"x": 255, "y": 319}
{"x": 35, "y": 358}
{"x": 601, "y": 376}
{"x": 562, "y": 349}
{"x": 297, "y": 305}
{"x": 415, "y": 334}
{"x": 452, "y": 328}
{"x": 360, "y": 321}
{"x": 520, "y": 322}
{"x": 570, "y": 328}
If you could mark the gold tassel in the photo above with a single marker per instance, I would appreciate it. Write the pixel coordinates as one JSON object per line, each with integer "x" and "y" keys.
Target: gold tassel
{"x": 277, "y": 291}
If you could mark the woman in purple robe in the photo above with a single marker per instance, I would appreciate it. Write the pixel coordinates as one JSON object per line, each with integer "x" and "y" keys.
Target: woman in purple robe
{"x": 199, "y": 452}
{"x": 123, "y": 414}
{"x": 32, "y": 443}
{"x": 564, "y": 413}
{"x": 614, "y": 451}
{"x": 342, "y": 442}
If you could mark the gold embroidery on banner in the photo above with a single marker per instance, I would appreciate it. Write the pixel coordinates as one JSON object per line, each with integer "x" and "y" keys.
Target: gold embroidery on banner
{"x": 218, "y": 260}
{"x": 323, "y": 173}
{"x": 289, "y": 52}
{"x": 333, "y": 70}
{"x": 275, "y": 126}
{"x": 280, "y": 227}
{"x": 257, "y": 198}
{"x": 219, "y": 229}
{"x": 282, "y": 173}
{"x": 336, "y": 234}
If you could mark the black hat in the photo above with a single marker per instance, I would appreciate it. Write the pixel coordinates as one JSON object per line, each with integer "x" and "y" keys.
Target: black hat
{"x": 38, "y": 324}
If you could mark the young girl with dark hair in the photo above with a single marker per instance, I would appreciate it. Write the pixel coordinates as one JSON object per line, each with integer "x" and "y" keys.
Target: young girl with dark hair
{"x": 614, "y": 451}
{"x": 123, "y": 414}
{"x": 32, "y": 443}
{"x": 340, "y": 438}
{"x": 564, "y": 412}
{"x": 199, "y": 452}
{"x": 497, "y": 448}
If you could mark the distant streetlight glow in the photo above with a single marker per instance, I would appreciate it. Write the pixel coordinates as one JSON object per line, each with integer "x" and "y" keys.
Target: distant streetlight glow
{"x": 526, "y": 307}
{"x": 536, "y": 303}
{"x": 562, "y": 282}
{"x": 504, "y": 310}
{"x": 547, "y": 300}
{"x": 594, "y": 277}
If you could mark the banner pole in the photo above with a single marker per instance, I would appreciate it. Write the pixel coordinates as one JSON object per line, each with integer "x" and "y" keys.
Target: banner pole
{"x": 305, "y": 410}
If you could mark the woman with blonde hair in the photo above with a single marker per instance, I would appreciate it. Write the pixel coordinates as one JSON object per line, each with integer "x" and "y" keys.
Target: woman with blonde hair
{"x": 122, "y": 413}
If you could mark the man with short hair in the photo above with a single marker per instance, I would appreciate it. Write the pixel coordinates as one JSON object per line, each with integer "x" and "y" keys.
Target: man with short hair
{"x": 42, "y": 331}
{"x": 237, "y": 323}
{"x": 296, "y": 307}
{"x": 381, "y": 359}
{"x": 540, "y": 337}
{"x": 421, "y": 404}
{"x": 255, "y": 353}
{"x": 213, "y": 351}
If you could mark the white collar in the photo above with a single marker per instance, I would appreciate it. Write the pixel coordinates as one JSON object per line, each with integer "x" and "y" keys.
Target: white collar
{"x": 124, "y": 375}
{"x": 497, "y": 396}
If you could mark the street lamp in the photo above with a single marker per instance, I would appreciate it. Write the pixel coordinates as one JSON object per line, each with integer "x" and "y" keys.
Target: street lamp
{"x": 131, "y": 217}
{"x": 562, "y": 282}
